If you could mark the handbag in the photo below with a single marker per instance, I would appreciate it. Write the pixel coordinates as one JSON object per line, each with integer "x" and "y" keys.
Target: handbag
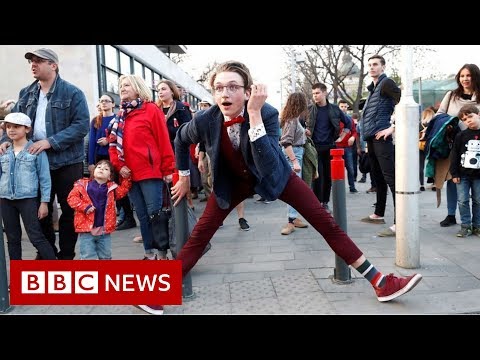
{"x": 421, "y": 145}
{"x": 423, "y": 142}
{"x": 160, "y": 222}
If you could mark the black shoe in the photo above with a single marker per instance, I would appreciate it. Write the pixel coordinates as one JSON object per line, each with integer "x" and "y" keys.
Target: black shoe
{"x": 449, "y": 220}
{"x": 353, "y": 191}
{"x": 363, "y": 179}
{"x": 422, "y": 188}
{"x": 127, "y": 224}
{"x": 243, "y": 224}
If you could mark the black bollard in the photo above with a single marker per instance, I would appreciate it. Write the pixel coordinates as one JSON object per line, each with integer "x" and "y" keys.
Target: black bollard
{"x": 341, "y": 273}
{"x": 4, "y": 296}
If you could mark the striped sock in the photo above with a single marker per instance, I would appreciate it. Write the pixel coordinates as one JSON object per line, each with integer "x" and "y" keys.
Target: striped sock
{"x": 376, "y": 278}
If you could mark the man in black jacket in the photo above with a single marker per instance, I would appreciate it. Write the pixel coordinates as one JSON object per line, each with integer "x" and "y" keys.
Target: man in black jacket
{"x": 323, "y": 126}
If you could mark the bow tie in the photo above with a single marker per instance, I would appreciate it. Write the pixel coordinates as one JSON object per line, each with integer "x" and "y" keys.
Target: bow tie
{"x": 237, "y": 120}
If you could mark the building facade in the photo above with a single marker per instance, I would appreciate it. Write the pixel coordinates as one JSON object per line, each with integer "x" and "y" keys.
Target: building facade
{"x": 96, "y": 68}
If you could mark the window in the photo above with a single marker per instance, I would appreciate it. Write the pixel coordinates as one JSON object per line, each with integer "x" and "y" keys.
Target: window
{"x": 138, "y": 68}
{"x": 125, "y": 67}
{"x": 112, "y": 63}
{"x": 149, "y": 78}
{"x": 112, "y": 82}
{"x": 111, "y": 57}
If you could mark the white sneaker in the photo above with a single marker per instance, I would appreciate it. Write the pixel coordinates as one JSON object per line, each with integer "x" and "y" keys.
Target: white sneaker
{"x": 152, "y": 309}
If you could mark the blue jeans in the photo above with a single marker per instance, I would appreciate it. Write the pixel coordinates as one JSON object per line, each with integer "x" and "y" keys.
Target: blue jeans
{"x": 298, "y": 151}
{"x": 348, "y": 159}
{"x": 463, "y": 192}
{"x": 146, "y": 196}
{"x": 355, "y": 159}
{"x": 93, "y": 247}
{"x": 452, "y": 197}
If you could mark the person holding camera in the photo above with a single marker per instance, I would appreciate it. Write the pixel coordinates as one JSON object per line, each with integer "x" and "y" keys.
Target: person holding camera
{"x": 465, "y": 170}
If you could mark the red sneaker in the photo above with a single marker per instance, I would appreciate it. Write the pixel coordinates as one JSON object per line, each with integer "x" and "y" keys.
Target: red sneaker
{"x": 152, "y": 309}
{"x": 396, "y": 286}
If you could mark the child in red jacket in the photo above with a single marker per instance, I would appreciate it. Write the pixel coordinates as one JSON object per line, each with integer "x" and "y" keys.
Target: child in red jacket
{"x": 95, "y": 217}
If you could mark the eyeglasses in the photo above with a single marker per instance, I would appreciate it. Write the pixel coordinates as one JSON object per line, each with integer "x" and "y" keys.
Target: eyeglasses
{"x": 231, "y": 89}
{"x": 37, "y": 61}
{"x": 105, "y": 101}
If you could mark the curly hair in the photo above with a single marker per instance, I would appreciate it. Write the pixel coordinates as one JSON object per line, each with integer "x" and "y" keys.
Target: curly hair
{"x": 296, "y": 106}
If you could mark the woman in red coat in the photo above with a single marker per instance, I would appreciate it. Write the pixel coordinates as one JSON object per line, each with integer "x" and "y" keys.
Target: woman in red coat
{"x": 140, "y": 147}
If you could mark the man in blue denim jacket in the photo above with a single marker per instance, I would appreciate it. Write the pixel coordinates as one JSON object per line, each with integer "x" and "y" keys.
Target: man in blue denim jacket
{"x": 60, "y": 121}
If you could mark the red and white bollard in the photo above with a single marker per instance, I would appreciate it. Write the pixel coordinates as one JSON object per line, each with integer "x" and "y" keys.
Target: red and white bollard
{"x": 341, "y": 273}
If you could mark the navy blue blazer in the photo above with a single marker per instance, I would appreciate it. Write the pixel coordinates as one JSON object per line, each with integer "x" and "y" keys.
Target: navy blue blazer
{"x": 264, "y": 157}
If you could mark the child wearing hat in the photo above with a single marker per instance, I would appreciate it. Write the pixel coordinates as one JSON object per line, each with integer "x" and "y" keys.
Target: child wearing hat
{"x": 23, "y": 177}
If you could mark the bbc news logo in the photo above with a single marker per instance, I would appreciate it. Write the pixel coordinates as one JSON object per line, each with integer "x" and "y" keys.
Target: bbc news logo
{"x": 95, "y": 282}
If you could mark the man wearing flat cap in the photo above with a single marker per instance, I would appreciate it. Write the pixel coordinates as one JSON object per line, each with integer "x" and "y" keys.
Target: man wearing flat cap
{"x": 60, "y": 121}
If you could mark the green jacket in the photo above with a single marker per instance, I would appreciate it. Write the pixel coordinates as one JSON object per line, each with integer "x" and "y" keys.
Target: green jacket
{"x": 310, "y": 162}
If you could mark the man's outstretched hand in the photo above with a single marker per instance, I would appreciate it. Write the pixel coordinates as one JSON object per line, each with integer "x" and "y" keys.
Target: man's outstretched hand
{"x": 180, "y": 189}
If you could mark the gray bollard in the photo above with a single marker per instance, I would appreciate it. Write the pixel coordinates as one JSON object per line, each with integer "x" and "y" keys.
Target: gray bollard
{"x": 4, "y": 296}
{"x": 181, "y": 236}
{"x": 341, "y": 273}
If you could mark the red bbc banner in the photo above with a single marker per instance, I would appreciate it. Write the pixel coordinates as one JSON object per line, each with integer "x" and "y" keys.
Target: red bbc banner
{"x": 95, "y": 282}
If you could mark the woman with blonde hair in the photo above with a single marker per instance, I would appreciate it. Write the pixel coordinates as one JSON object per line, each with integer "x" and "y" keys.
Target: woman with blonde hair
{"x": 140, "y": 148}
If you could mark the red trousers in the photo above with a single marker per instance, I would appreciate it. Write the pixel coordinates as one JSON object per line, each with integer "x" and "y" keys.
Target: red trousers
{"x": 297, "y": 194}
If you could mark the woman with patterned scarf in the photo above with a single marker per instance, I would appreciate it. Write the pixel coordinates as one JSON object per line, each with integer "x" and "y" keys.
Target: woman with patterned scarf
{"x": 140, "y": 148}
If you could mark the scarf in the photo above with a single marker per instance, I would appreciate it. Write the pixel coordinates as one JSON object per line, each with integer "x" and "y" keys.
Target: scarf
{"x": 171, "y": 110}
{"x": 115, "y": 127}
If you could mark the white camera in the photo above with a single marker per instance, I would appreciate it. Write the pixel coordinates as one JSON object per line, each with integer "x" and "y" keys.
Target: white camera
{"x": 470, "y": 160}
